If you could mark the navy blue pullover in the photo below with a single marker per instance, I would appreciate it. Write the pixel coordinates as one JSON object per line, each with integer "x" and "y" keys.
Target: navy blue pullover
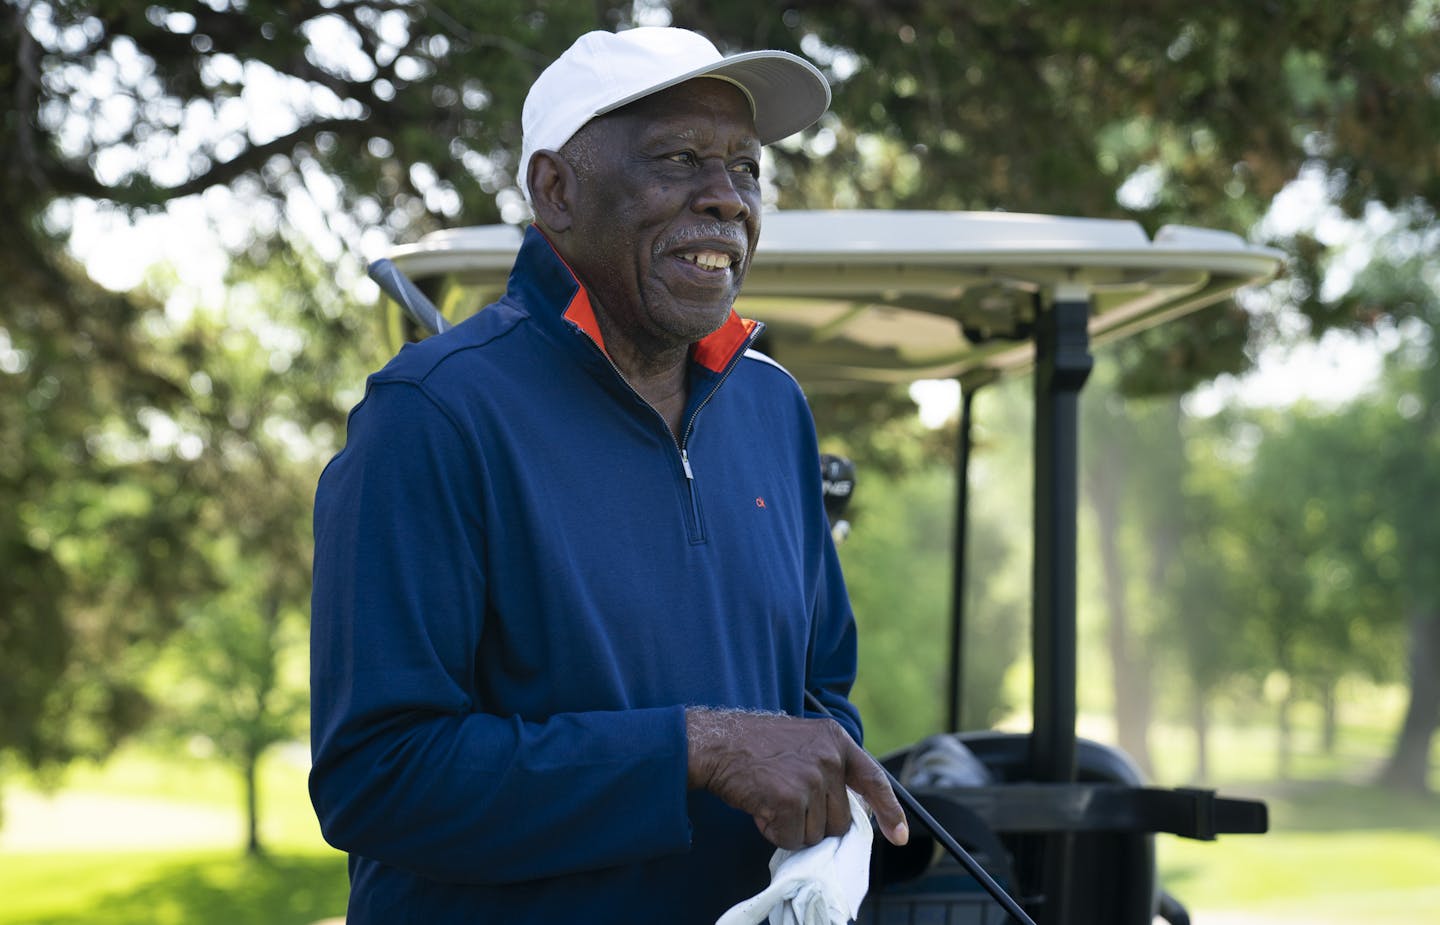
{"x": 521, "y": 580}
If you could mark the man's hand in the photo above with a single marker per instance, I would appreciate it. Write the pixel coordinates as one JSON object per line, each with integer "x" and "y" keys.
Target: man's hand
{"x": 790, "y": 774}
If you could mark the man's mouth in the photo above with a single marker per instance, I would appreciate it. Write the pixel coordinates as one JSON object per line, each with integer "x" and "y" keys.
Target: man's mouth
{"x": 708, "y": 260}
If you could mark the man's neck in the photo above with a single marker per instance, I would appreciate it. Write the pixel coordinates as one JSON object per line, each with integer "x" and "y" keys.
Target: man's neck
{"x": 666, "y": 393}
{"x": 657, "y": 374}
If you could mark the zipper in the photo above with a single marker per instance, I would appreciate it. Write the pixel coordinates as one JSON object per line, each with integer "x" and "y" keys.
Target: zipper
{"x": 695, "y": 527}
{"x": 683, "y": 444}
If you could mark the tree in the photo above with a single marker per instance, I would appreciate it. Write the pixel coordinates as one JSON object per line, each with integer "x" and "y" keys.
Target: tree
{"x": 1409, "y": 408}
{"x": 275, "y": 369}
{"x": 90, "y": 494}
{"x": 1142, "y": 496}
{"x": 1312, "y": 553}
{"x": 1387, "y": 443}
{"x": 227, "y": 682}
{"x": 1207, "y": 610}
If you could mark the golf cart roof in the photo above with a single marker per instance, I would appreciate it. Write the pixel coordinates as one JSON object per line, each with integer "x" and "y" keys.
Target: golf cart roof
{"x": 887, "y": 297}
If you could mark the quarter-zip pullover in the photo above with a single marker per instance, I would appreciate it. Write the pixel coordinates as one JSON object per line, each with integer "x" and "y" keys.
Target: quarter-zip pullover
{"x": 522, "y": 579}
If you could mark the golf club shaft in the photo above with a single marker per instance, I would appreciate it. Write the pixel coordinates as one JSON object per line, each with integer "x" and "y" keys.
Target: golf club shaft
{"x": 408, "y": 296}
{"x": 967, "y": 861}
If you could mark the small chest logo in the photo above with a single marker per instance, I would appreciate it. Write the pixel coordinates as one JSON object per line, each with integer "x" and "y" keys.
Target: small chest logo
{"x": 760, "y": 503}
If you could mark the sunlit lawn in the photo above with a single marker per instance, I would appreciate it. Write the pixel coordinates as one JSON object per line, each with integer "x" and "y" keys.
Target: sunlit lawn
{"x": 301, "y": 880}
{"x": 216, "y": 887}
{"x": 1336, "y": 853}
{"x": 1339, "y": 850}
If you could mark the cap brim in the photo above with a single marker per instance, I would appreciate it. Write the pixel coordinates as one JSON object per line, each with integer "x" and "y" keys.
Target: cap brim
{"x": 787, "y": 93}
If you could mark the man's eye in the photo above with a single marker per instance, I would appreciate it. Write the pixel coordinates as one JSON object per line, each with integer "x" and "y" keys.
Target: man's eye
{"x": 750, "y": 167}
{"x": 685, "y": 157}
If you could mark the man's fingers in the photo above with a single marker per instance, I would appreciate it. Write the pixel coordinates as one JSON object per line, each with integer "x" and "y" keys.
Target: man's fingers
{"x": 817, "y": 821}
{"x": 837, "y": 811}
{"x": 781, "y": 832}
{"x": 868, "y": 779}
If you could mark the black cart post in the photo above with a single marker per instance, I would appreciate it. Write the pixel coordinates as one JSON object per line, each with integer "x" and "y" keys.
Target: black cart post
{"x": 1062, "y": 364}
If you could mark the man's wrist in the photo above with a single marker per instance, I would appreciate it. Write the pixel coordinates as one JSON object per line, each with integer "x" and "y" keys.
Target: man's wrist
{"x": 705, "y": 733}
{"x": 709, "y": 733}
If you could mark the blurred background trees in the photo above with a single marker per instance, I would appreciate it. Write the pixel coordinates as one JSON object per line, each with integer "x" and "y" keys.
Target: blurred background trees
{"x": 157, "y": 454}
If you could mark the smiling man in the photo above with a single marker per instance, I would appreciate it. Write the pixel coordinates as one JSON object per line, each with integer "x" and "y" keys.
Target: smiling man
{"x": 573, "y": 575}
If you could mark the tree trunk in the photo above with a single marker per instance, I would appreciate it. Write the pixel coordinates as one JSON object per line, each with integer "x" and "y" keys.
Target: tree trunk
{"x": 1409, "y": 765}
{"x": 265, "y": 682}
{"x": 1200, "y": 724}
{"x": 1130, "y": 680}
{"x": 253, "y": 848}
{"x": 1282, "y": 740}
{"x": 1329, "y": 730}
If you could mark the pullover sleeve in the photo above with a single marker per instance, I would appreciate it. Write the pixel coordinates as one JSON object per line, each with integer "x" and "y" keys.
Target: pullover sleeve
{"x": 408, "y": 769}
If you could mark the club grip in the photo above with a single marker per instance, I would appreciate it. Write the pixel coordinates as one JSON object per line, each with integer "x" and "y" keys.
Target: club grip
{"x": 408, "y": 296}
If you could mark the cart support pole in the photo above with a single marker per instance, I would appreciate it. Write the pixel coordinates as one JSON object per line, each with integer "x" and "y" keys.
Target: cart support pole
{"x": 1062, "y": 364}
{"x": 955, "y": 703}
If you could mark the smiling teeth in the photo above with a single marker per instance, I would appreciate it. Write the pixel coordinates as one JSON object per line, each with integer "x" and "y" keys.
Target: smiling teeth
{"x": 710, "y": 261}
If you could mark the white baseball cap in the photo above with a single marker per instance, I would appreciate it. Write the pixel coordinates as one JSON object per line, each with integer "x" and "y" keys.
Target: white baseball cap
{"x": 603, "y": 71}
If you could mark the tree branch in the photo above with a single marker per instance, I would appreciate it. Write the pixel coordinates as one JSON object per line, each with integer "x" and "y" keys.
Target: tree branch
{"x": 26, "y": 86}
{"x": 70, "y": 180}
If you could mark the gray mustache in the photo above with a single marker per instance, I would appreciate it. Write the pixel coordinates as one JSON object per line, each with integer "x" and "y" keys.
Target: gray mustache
{"x": 713, "y": 231}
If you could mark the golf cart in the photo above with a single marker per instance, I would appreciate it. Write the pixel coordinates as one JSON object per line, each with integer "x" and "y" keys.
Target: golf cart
{"x": 868, "y": 297}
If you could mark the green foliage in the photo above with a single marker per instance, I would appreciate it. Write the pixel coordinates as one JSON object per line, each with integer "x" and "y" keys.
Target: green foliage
{"x": 88, "y": 504}
{"x": 1306, "y": 534}
{"x": 1166, "y": 112}
{"x": 273, "y": 375}
{"x": 880, "y": 431}
{"x": 182, "y": 507}
{"x": 898, "y": 564}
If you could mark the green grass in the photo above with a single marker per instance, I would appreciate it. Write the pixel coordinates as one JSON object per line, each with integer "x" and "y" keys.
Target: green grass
{"x": 301, "y": 880}
{"x": 1308, "y": 876}
{"x": 286, "y": 819}
{"x": 171, "y": 888}
{"x": 1336, "y": 853}
{"x": 1339, "y": 849}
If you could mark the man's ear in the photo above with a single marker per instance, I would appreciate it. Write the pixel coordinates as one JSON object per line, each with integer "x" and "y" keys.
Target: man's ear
{"x": 552, "y": 189}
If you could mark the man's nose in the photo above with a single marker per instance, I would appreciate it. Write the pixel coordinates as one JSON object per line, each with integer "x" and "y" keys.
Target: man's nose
{"x": 719, "y": 195}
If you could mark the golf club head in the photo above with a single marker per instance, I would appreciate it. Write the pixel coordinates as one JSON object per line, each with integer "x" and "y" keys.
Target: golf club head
{"x": 837, "y": 482}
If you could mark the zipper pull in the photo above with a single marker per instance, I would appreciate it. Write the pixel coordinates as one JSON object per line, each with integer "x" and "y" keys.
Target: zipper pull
{"x": 685, "y": 461}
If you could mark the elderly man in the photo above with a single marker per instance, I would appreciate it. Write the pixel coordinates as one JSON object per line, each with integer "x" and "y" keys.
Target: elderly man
{"x": 573, "y": 576}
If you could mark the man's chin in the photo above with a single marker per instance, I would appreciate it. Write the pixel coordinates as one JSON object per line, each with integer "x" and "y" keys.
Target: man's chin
{"x": 693, "y": 319}
{"x": 708, "y": 319}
